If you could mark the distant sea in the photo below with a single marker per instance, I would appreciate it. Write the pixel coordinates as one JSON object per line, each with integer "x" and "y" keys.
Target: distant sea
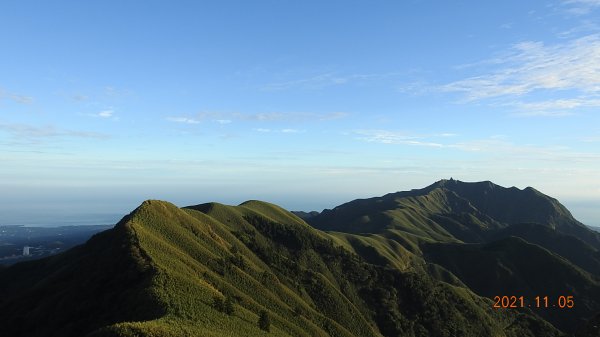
{"x": 83, "y": 220}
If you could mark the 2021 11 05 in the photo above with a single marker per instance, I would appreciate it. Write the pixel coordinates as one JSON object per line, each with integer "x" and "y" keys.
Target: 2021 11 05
{"x": 513, "y": 302}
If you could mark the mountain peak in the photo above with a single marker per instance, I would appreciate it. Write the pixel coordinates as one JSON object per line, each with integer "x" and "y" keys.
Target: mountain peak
{"x": 495, "y": 205}
{"x": 453, "y": 183}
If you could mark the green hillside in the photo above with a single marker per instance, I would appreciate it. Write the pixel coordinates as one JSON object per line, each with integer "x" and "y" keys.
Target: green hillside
{"x": 451, "y": 210}
{"x": 212, "y": 270}
{"x": 513, "y": 266}
{"x": 446, "y": 230}
{"x": 514, "y": 206}
{"x": 570, "y": 247}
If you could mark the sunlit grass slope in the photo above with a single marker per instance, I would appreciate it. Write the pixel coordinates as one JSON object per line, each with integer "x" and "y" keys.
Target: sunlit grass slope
{"x": 166, "y": 271}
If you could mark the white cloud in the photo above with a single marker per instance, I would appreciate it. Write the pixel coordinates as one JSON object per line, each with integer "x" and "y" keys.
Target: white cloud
{"x": 581, "y": 7}
{"x": 22, "y": 99}
{"x": 595, "y": 3}
{"x": 106, "y": 113}
{"x": 184, "y": 120}
{"x": 25, "y": 134}
{"x": 287, "y": 130}
{"x": 497, "y": 147}
{"x": 559, "y": 104}
{"x": 290, "y": 116}
{"x": 328, "y": 79}
{"x": 553, "y": 107}
{"x": 229, "y": 117}
{"x": 532, "y": 66}
{"x": 314, "y": 82}
{"x": 394, "y": 137}
{"x": 418, "y": 87}
{"x": 18, "y": 98}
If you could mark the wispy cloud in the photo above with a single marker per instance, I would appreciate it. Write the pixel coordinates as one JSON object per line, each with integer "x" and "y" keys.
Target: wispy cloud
{"x": 289, "y": 116}
{"x": 31, "y": 134}
{"x": 328, "y": 79}
{"x": 314, "y": 82}
{"x": 105, "y": 114}
{"x": 509, "y": 150}
{"x": 581, "y": 7}
{"x": 532, "y": 66}
{"x": 80, "y": 97}
{"x": 585, "y": 26}
{"x": 113, "y": 92}
{"x": 394, "y": 137}
{"x": 21, "y": 99}
{"x": 419, "y": 87}
{"x": 229, "y": 117}
{"x": 553, "y": 107}
{"x": 496, "y": 148}
{"x": 184, "y": 120}
{"x": 287, "y": 130}
{"x": 18, "y": 98}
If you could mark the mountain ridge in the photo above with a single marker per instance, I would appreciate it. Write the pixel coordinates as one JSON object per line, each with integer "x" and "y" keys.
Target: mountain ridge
{"x": 182, "y": 262}
{"x": 511, "y": 206}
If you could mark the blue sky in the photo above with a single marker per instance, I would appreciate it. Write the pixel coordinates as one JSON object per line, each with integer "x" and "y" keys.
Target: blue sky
{"x": 306, "y": 104}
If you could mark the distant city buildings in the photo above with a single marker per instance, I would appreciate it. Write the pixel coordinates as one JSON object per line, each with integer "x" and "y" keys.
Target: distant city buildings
{"x": 26, "y": 251}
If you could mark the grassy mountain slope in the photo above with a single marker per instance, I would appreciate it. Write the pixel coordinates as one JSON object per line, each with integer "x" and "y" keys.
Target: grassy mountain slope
{"x": 573, "y": 249}
{"x": 510, "y": 205}
{"x": 166, "y": 271}
{"x": 105, "y": 281}
{"x": 590, "y": 329}
{"x": 513, "y": 206}
{"x": 441, "y": 222}
{"x": 433, "y": 215}
{"x": 451, "y": 210}
{"x": 513, "y": 266}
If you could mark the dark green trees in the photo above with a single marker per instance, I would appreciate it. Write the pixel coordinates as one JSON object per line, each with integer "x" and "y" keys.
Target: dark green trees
{"x": 228, "y": 306}
{"x": 224, "y": 305}
{"x": 264, "y": 321}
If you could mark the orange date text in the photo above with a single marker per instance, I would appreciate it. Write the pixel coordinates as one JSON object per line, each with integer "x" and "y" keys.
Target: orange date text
{"x": 513, "y": 302}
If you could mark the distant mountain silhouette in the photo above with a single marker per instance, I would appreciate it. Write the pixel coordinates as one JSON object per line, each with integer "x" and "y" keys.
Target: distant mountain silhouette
{"x": 305, "y": 215}
{"x": 450, "y": 209}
